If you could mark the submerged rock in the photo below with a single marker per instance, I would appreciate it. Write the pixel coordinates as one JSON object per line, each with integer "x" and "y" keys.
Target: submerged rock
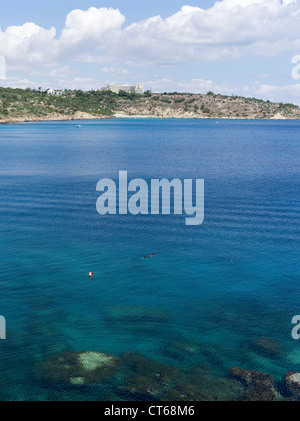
{"x": 179, "y": 350}
{"x": 292, "y": 383}
{"x": 259, "y": 386}
{"x": 146, "y": 379}
{"x": 267, "y": 347}
{"x": 187, "y": 393}
{"x": 144, "y": 366}
{"x": 141, "y": 388}
{"x": 79, "y": 368}
{"x": 251, "y": 378}
{"x": 218, "y": 388}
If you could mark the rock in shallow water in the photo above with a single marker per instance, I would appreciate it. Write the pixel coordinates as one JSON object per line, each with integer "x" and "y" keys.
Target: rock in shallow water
{"x": 218, "y": 388}
{"x": 78, "y": 368}
{"x": 144, "y": 378}
{"x": 186, "y": 393}
{"x": 179, "y": 350}
{"x": 267, "y": 347}
{"x": 292, "y": 383}
{"x": 144, "y": 366}
{"x": 259, "y": 386}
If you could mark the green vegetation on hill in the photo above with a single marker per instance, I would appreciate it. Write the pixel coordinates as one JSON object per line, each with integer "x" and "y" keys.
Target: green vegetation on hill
{"x": 16, "y": 104}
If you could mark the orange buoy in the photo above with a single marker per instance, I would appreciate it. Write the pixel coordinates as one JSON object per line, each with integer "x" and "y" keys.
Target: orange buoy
{"x": 91, "y": 274}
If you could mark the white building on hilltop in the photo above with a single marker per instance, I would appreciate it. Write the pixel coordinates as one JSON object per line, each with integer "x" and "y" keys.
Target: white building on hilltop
{"x": 56, "y": 92}
{"x": 130, "y": 89}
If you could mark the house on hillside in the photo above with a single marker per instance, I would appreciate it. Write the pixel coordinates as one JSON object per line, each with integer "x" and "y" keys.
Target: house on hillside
{"x": 56, "y": 92}
{"x": 130, "y": 89}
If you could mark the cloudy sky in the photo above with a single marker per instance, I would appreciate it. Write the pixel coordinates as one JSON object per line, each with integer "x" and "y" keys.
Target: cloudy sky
{"x": 243, "y": 47}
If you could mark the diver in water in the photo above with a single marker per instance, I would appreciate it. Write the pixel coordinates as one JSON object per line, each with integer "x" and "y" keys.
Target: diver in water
{"x": 149, "y": 255}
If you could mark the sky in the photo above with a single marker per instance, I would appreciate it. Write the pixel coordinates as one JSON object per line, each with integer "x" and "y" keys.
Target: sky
{"x": 233, "y": 47}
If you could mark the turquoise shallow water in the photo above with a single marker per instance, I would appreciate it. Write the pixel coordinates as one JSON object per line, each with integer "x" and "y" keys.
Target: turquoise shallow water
{"x": 208, "y": 296}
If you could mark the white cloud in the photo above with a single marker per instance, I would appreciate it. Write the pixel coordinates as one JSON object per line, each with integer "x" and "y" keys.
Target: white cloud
{"x": 30, "y": 44}
{"x": 85, "y": 84}
{"x": 229, "y": 29}
{"x": 116, "y": 70}
{"x": 276, "y": 93}
{"x": 16, "y": 82}
{"x": 195, "y": 85}
{"x": 279, "y": 93}
{"x": 88, "y": 28}
{"x": 59, "y": 72}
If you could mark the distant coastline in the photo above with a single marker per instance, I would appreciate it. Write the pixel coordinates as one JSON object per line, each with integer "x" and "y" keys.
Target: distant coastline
{"x": 30, "y": 119}
{"x": 19, "y": 106}
{"x": 132, "y": 117}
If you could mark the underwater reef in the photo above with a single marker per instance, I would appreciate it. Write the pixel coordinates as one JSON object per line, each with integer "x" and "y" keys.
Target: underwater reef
{"x": 179, "y": 368}
{"x": 133, "y": 376}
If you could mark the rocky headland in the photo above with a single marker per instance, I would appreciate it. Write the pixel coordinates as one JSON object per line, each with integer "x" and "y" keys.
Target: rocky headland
{"x": 17, "y": 105}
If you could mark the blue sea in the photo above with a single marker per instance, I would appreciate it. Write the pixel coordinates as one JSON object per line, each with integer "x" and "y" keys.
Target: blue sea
{"x": 216, "y": 296}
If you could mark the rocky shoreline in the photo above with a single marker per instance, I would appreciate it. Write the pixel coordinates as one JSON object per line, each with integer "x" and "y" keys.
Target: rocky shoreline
{"x": 192, "y": 117}
{"x": 87, "y": 117}
{"x": 53, "y": 117}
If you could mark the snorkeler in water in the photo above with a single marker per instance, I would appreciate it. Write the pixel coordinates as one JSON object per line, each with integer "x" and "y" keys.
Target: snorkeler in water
{"x": 149, "y": 255}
